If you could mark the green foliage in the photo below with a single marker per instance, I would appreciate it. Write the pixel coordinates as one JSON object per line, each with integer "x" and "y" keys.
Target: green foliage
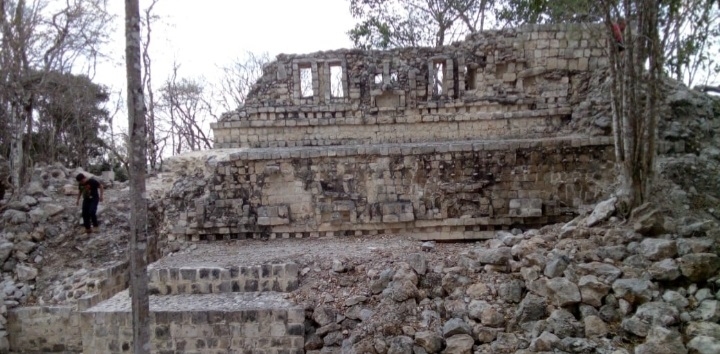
{"x": 70, "y": 119}
{"x": 518, "y": 12}
{"x": 415, "y": 23}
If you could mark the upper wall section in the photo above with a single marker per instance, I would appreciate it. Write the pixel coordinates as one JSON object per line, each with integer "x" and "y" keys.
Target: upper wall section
{"x": 495, "y": 84}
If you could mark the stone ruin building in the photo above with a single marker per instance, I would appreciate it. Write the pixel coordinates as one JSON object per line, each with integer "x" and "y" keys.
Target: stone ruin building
{"x": 445, "y": 143}
{"x": 440, "y": 143}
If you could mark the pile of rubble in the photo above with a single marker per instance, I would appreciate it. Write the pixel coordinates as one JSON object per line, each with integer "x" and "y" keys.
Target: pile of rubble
{"x": 44, "y": 255}
{"x": 647, "y": 285}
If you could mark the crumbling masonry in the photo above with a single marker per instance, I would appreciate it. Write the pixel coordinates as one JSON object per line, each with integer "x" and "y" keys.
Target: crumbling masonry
{"x": 447, "y": 142}
{"x": 439, "y": 143}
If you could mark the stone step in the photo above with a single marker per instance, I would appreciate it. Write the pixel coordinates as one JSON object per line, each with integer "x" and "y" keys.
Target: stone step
{"x": 229, "y": 322}
{"x": 168, "y": 279}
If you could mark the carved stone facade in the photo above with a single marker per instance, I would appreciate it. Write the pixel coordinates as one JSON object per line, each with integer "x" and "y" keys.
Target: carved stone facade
{"x": 514, "y": 83}
{"x": 447, "y": 142}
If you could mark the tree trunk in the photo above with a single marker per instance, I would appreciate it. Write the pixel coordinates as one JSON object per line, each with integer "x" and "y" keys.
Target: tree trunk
{"x": 138, "y": 151}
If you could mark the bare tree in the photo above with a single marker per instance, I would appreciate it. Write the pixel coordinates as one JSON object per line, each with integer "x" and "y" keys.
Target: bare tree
{"x": 153, "y": 145}
{"x": 138, "y": 150}
{"x": 38, "y": 39}
{"x": 636, "y": 75}
{"x": 238, "y": 78}
{"x": 186, "y": 108}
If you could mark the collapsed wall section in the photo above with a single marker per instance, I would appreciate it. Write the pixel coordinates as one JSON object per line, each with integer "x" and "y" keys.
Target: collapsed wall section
{"x": 513, "y": 83}
{"x": 439, "y": 190}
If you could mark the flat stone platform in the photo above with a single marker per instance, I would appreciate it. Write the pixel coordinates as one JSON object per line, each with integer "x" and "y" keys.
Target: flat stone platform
{"x": 242, "y": 322}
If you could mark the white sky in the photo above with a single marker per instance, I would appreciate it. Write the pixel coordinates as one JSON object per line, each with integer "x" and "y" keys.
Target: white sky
{"x": 203, "y": 35}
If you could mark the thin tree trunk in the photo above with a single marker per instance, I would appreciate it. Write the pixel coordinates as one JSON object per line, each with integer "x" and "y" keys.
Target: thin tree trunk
{"x": 138, "y": 150}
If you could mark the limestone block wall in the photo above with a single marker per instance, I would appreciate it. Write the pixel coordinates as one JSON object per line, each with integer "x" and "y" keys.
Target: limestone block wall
{"x": 43, "y": 329}
{"x": 192, "y": 324}
{"x": 467, "y": 187}
{"x": 503, "y": 84}
{"x": 266, "y": 277}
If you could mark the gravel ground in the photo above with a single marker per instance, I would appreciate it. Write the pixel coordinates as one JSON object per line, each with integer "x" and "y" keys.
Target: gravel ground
{"x": 255, "y": 252}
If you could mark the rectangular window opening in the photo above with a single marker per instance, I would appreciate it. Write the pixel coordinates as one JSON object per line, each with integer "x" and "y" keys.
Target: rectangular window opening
{"x": 306, "y": 82}
{"x": 378, "y": 79}
{"x": 393, "y": 77}
{"x": 336, "y": 81}
{"x": 470, "y": 78}
{"x": 439, "y": 72}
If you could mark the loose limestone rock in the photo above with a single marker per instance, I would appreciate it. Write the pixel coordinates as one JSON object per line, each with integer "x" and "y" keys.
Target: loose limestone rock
{"x": 699, "y": 266}
{"x": 563, "y": 292}
{"x": 459, "y": 344}
{"x": 662, "y": 340}
{"x": 494, "y": 256}
{"x": 635, "y": 291}
{"x": 592, "y": 290}
{"x": 456, "y": 326}
{"x": 595, "y": 327}
{"x": 665, "y": 270}
{"x": 430, "y": 341}
{"x": 25, "y": 272}
{"x": 698, "y": 328}
{"x": 656, "y": 249}
{"x": 545, "y": 342}
{"x": 704, "y": 345}
{"x": 602, "y": 211}
{"x": 532, "y": 308}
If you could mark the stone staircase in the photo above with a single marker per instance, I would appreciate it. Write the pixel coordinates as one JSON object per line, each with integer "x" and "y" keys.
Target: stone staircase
{"x": 205, "y": 307}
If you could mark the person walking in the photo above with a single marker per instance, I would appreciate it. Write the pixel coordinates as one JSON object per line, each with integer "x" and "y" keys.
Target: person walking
{"x": 92, "y": 193}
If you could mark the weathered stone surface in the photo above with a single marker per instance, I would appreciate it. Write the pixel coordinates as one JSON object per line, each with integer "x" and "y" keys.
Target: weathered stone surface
{"x": 511, "y": 291}
{"x": 665, "y": 270}
{"x": 563, "y": 324}
{"x": 456, "y": 326}
{"x": 694, "y": 245}
{"x": 401, "y": 345}
{"x": 324, "y": 315}
{"x": 661, "y": 340}
{"x": 492, "y": 318}
{"x": 708, "y": 310}
{"x": 477, "y": 291}
{"x": 605, "y": 272}
{"x": 592, "y": 290}
{"x": 594, "y": 327}
{"x": 675, "y": 298}
{"x": 496, "y": 256}
{"x": 532, "y": 308}
{"x": 418, "y": 262}
{"x": 658, "y": 312}
{"x": 459, "y": 344}
{"x": 648, "y": 221}
{"x": 545, "y": 342}
{"x": 430, "y": 341}
{"x": 635, "y": 291}
{"x": 602, "y": 211}
{"x": 563, "y": 292}
{"x": 704, "y": 345}
{"x": 5, "y": 250}
{"x": 25, "y": 272}
{"x": 656, "y": 249}
{"x": 476, "y": 308}
{"x": 699, "y": 266}
{"x": 700, "y": 328}
{"x": 15, "y": 216}
{"x": 556, "y": 266}
{"x": 635, "y": 326}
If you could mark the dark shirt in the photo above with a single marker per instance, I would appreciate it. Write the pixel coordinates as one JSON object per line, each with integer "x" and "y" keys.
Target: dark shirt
{"x": 89, "y": 189}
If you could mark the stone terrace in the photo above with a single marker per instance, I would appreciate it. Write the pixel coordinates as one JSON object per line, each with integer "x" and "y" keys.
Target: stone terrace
{"x": 445, "y": 143}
